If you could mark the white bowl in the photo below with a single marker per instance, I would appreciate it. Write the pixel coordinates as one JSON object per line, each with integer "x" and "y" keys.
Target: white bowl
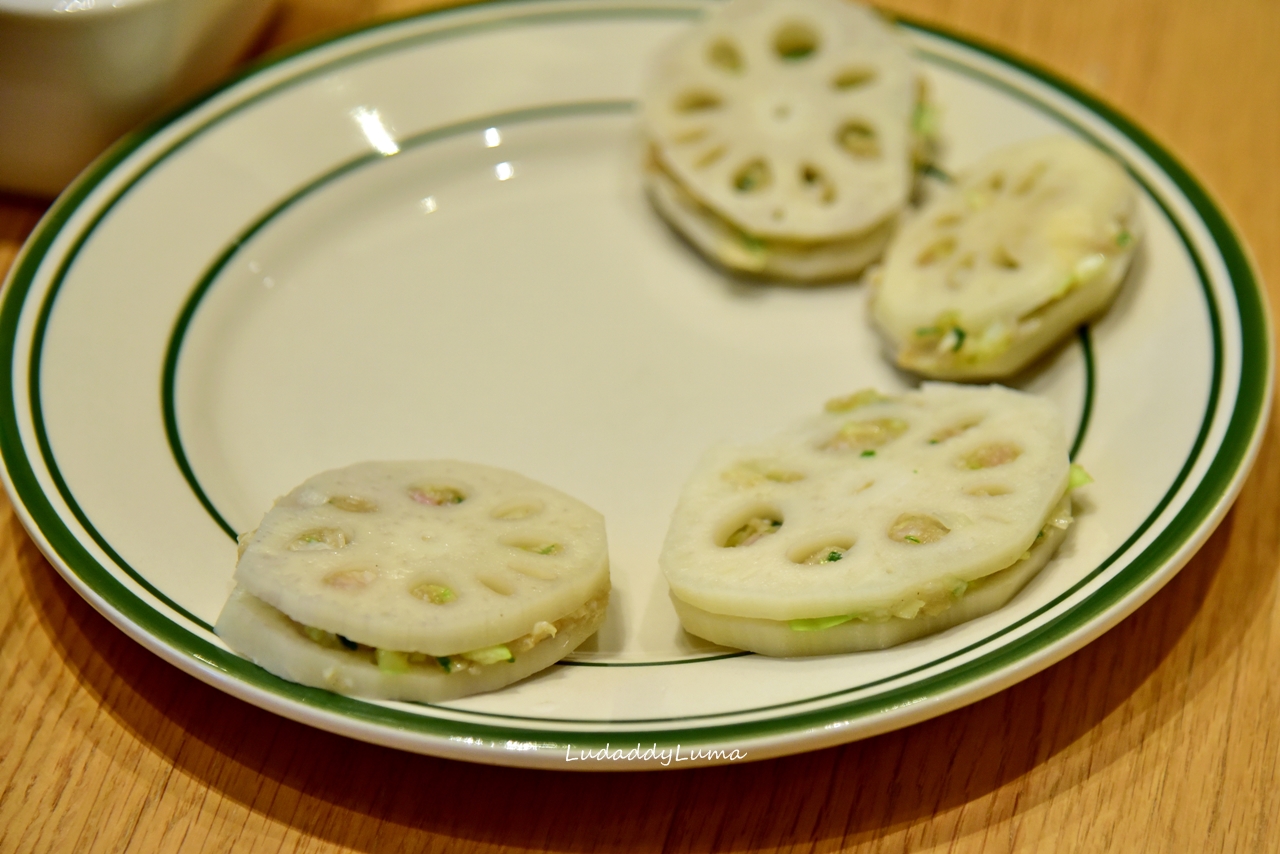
{"x": 76, "y": 74}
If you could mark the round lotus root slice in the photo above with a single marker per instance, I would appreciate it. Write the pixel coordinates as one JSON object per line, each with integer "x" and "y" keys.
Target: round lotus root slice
{"x": 789, "y": 121}
{"x": 1027, "y": 244}
{"x": 882, "y": 508}
{"x": 433, "y": 569}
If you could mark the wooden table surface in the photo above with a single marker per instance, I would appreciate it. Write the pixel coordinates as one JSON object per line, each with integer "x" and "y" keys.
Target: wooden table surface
{"x": 1162, "y": 736}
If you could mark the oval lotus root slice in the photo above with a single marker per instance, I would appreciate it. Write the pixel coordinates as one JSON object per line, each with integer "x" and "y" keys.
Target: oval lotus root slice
{"x": 286, "y": 648}
{"x": 853, "y": 632}
{"x": 436, "y": 557}
{"x": 792, "y": 120}
{"x": 1028, "y": 243}
{"x": 880, "y": 506}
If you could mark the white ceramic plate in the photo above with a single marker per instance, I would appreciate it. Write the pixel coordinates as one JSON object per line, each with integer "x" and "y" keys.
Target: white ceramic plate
{"x": 429, "y": 239}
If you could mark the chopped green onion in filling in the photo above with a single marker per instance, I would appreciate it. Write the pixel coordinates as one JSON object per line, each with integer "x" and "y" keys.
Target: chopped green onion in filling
{"x": 1078, "y": 477}
{"x": 826, "y": 554}
{"x": 398, "y": 662}
{"x": 321, "y": 538}
{"x": 751, "y": 531}
{"x": 489, "y": 655}
{"x": 917, "y": 529}
{"x": 436, "y": 496}
{"x": 865, "y": 435}
{"x": 390, "y": 661}
{"x": 819, "y": 623}
{"x": 320, "y": 636}
{"x": 924, "y": 120}
{"x": 436, "y": 594}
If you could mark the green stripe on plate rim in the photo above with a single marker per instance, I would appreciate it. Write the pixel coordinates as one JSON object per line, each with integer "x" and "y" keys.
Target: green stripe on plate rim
{"x": 1241, "y": 432}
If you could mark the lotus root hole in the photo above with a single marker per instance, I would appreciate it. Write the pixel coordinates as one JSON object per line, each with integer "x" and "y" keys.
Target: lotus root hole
{"x": 823, "y": 552}
{"x": 816, "y": 180}
{"x": 865, "y": 435}
{"x": 434, "y": 593}
{"x": 351, "y": 579}
{"x": 353, "y": 503}
{"x": 320, "y": 539}
{"x": 989, "y": 490}
{"x": 917, "y": 529}
{"x": 752, "y": 529}
{"x": 863, "y": 397}
{"x": 497, "y": 585}
{"x": 517, "y": 510}
{"x": 752, "y": 177}
{"x": 1000, "y": 257}
{"x": 697, "y": 101}
{"x": 436, "y": 495}
{"x": 858, "y": 138}
{"x": 538, "y": 572}
{"x": 853, "y": 78}
{"x": 990, "y": 456}
{"x": 795, "y": 40}
{"x": 711, "y": 155}
{"x": 954, "y": 430}
{"x": 756, "y": 472}
{"x": 539, "y": 547}
{"x": 724, "y": 54}
{"x": 689, "y": 136}
{"x": 936, "y": 251}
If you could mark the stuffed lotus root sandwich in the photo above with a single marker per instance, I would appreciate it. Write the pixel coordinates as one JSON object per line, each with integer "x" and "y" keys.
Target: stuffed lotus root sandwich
{"x": 877, "y": 522}
{"x": 1027, "y": 244}
{"x": 418, "y": 581}
{"x": 781, "y": 136}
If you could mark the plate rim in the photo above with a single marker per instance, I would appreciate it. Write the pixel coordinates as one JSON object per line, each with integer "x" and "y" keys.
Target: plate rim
{"x": 1195, "y": 520}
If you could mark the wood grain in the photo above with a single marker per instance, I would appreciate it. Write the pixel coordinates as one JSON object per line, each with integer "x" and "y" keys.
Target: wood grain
{"x": 1162, "y": 736}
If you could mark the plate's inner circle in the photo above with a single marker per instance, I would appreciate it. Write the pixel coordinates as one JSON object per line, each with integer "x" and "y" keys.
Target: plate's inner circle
{"x": 518, "y": 305}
